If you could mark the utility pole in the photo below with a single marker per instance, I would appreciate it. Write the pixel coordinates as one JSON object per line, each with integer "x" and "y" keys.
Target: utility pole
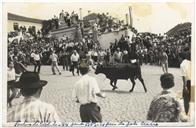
{"x": 130, "y": 14}
{"x": 127, "y": 20}
{"x": 81, "y": 18}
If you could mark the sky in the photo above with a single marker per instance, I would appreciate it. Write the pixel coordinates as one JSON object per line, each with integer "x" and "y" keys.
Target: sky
{"x": 152, "y": 17}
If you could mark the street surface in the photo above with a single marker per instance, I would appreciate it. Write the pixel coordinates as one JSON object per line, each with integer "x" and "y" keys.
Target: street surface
{"x": 119, "y": 105}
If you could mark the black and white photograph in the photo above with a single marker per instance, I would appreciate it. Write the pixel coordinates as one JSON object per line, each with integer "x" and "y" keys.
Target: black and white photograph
{"x": 98, "y": 64}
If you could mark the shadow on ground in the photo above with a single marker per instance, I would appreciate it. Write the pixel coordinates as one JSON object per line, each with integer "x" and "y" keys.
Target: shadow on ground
{"x": 121, "y": 92}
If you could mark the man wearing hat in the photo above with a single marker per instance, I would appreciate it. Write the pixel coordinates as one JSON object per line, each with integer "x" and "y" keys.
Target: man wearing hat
{"x": 85, "y": 92}
{"x": 32, "y": 109}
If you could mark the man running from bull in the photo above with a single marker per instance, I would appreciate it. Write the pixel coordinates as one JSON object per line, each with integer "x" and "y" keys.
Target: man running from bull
{"x": 54, "y": 59}
{"x": 85, "y": 92}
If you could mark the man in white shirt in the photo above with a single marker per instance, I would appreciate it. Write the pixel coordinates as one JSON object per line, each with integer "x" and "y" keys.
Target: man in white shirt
{"x": 74, "y": 62}
{"x": 54, "y": 59}
{"x": 185, "y": 67}
{"x": 37, "y": 61}
{"x": 117, "y": 56}
{"x": 85, "y": 92}
{"x": 10, "y": 83}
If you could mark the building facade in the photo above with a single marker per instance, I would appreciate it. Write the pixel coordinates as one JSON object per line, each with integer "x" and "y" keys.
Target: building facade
{"x": 16, "y": 21}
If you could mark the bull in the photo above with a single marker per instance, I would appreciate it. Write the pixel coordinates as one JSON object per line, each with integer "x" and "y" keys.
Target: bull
{"x": 121, "y": 71}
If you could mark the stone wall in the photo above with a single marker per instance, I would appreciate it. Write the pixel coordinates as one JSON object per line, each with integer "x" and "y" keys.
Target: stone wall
{"x": 64, "y": 32}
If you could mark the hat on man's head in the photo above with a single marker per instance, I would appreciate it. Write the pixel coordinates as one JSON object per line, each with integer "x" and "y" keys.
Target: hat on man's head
{"x": 30, "y": 80}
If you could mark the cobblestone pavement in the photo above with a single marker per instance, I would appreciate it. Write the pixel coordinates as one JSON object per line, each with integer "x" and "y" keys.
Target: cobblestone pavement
{"x": 119, "y": 105}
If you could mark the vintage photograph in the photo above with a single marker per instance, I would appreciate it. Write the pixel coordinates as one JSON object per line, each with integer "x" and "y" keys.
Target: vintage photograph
{"x": 98, "y": 64}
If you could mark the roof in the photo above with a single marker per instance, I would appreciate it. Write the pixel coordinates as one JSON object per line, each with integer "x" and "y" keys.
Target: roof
{"x": 179, "y": 27}
{"x": 22, "y": 18}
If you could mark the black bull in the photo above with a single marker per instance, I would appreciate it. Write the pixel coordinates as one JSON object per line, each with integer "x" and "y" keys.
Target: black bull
{"x": 121, "y": 71}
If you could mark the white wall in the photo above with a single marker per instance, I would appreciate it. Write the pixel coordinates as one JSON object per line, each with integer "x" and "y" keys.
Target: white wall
{"x": 10, "y": 25}
{"x": 106, "y": 38}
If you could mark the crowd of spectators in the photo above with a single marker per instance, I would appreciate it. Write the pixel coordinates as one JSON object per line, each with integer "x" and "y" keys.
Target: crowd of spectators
{"x": 105, "y": 22}
{"x": 148, "y": 47}
{"x": 44, "y": 46}
{"x": 108, "y": 23}
{"x": 65, "y": 19}
{"x": 23, "y": 33}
